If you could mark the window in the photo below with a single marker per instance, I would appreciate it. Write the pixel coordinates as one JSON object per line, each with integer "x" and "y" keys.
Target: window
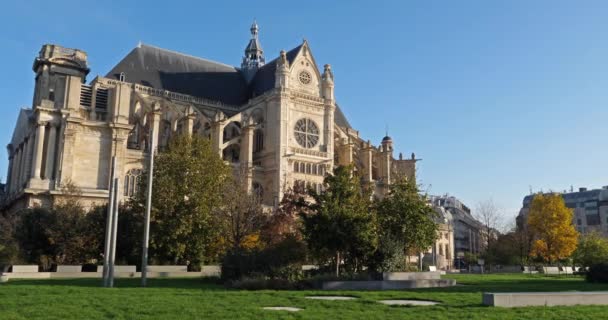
{"x": 131, "y": 184}
{"x": 305, "y": 77}
{"x": 308, "y": 168}
{"x": 306, "y": 133}
{"x": 296, "y": 167}
{"x": 302, "y": 169}
{"x": 258, "y": 140}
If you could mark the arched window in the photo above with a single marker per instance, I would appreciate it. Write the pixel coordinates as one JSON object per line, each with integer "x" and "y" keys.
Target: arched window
{"x": 321, "y": 170}
{"x": 308, "y": 168}
{"x": 131, "y": 184}
{"x": 258, "y": 140}
{"x": 296, "y": 167}
{"x": 302, "y": 167}
{"x": 314, "y": 169}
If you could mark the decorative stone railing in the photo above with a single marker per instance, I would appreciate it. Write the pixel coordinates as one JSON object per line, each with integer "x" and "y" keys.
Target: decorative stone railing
{"x": 309, "y": 152}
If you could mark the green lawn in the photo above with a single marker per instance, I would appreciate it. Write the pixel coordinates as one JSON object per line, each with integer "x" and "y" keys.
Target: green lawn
{"x": 202, "y": 299}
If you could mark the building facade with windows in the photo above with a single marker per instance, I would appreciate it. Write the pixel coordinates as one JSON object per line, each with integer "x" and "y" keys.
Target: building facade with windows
{"x": 466, "y": 229}
{"x": 590, "y": 208}
{"x": 277, "y": 121}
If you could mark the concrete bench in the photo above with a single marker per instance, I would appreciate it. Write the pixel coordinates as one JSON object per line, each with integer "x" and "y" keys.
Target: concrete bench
{"x": 124, "y": 269}
{"x": 24, "y": 268}
{"x": 67, "y": 268}
{"x": 387, "y": 284}
{"x": 167, "y": 268}
{"x": 551, "y": 270}
{"x": 410, "y": 275}
{"x": 211, "y": 271}
{"x": 567, "y": 270}
{"x": 528, "y": 299}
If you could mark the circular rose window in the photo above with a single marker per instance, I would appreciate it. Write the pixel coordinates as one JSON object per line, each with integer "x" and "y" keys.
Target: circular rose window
{"x": 306, "y": 133}
{"x": 305, "y": 77}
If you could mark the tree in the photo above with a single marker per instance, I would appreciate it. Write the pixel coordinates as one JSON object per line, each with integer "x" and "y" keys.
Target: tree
{"x": 551, "y": 222}
{"x": 339, "y": 221}
{"x": 189, "y": 180}
{"x": 490, "y": 216}
{"x": 9, "y": 249}
{"x": 240, "y": 215}
{"x": 592, "y": 249}
{"x": 405, "y": 216}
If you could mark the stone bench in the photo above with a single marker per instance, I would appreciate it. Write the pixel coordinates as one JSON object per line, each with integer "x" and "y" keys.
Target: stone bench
{"x": 211, "y": 271}
{"x": 124, "y": 269}
{"x": 67, "y": 268}
{"x": 24, "y": 268}
{"x": 528, "y": 299}
{"x": 567, "y": 270}
{"x": 167, "y": 269}
{"x": 551, "y": 270}
{"x": 410, "y": 275}
{"x": 387, "y": 284}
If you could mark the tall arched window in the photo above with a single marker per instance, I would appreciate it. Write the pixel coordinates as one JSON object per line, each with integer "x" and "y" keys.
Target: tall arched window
{"x": 308, "y": 168}
{"x": 258, "y": 140}
{"x": 314, "y": 169}
{"x": 132, "y": 179}
{"x": 296, "y": 167}
{"x": 302, "y": 167}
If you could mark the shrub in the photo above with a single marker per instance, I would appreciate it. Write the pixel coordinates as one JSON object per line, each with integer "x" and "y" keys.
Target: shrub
{"x": 598, "y": 273}
{"x": 280, "y": 261}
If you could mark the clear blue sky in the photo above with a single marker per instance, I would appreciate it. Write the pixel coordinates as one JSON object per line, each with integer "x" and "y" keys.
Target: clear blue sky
{"x": 494, "y": 96}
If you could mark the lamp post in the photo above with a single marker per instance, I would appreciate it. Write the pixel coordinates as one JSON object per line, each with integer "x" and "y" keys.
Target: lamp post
{"x": 144, "y": 254}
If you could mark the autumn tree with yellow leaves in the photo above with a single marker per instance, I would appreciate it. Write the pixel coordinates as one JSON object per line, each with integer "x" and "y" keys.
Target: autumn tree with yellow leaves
{"x": 551, "y": 222}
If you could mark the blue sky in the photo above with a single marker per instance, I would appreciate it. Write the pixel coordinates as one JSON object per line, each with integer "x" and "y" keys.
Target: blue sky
{"x": 495, "y": 96}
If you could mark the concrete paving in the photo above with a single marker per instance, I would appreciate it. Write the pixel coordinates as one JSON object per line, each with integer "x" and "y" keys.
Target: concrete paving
{"x": 331, "y": 298}
{"x": 290, "y": 309}
{"x": 404, "y": 302}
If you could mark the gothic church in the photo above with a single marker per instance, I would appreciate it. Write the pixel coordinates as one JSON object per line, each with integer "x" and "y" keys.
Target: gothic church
{"x": 278, "y": 121}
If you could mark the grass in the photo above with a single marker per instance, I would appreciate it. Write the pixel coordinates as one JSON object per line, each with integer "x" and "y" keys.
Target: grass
{"x": 204, "y": 299}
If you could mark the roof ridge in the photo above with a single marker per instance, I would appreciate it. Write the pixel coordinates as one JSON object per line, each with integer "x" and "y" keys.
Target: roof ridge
{"x": 140, "y": 45}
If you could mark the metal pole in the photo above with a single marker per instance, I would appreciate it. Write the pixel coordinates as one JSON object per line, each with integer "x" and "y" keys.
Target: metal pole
{"x": 114, "y": 232}
{"x": 144, "y": 251}
{"x": 106, "y": 252}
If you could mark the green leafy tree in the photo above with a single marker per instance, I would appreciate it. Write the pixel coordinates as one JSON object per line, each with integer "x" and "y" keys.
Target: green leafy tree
{"x": 188, "y": 184}
{"x": 339, "y": 221}
{"x": 592, "y": 249}
{"x": 404, "y": 216}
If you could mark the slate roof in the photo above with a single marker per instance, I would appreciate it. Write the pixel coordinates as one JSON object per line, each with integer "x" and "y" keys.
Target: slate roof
{"x": 169, "y": 70}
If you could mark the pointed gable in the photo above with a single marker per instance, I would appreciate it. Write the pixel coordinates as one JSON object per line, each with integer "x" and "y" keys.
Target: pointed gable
{"x": 264, "y": 79}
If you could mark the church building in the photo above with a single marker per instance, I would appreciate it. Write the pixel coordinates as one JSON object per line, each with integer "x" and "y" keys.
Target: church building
{"x": 278, "y": 121}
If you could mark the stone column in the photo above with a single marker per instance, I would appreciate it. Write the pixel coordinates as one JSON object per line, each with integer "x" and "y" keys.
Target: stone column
{"x": 50, "y": 153}
{"x": 10, "y": 173}
{"x": 190, "y": 124}
{"x": 246, "y": 155}
{"x": 217, "y": 136}
{"x": 367, "y": 162}
{"x": 16, "y": 170}
{"x": 37, "y": 155}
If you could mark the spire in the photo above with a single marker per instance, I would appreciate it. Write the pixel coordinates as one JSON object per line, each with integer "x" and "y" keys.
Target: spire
{"x": 254, "y": 55}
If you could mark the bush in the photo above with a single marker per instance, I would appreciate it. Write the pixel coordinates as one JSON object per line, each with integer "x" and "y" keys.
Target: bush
{"x": 280, "y": 261}
{"x": 598, "y": 273}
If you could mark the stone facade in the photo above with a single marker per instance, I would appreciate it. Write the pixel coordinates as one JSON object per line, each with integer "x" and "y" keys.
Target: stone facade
{"x": 278, "y": 121}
